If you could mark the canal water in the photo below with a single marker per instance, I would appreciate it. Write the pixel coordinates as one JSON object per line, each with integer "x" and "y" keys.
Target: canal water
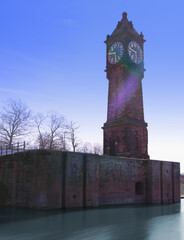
{"x": 130, "y": 222}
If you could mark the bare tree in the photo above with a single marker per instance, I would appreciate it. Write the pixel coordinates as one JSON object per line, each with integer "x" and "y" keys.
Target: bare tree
{"x": 14, "y": 121}
{"x": 97, "y": 149}
{"x": 74, "y": 140}
{"x": 56, "y": 124}
{"x": 49, "y": 129}
{"x": 86, "y": 148}
{"x": 42, "y": 138}
{"x": 64, "y": 141}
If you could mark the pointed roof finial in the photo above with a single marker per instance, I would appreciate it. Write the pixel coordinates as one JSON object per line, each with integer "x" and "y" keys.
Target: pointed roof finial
{"x": 124, "y": 19}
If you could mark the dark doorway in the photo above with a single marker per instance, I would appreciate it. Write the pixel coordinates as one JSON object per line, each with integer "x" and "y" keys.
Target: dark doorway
{"x": 139, "y": 188}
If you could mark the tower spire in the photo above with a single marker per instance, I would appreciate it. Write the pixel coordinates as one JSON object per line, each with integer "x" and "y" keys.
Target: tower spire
{"x": 124, "y": 17}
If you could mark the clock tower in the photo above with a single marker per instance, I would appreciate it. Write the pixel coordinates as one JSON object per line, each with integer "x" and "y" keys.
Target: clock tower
{"x": 125, "y": 131}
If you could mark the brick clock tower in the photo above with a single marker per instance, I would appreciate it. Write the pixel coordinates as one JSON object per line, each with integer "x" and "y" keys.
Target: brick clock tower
{"x": 125, "y": 132}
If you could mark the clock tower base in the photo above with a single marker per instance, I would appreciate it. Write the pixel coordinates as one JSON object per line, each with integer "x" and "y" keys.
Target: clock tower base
{"x": 126, "y": 137}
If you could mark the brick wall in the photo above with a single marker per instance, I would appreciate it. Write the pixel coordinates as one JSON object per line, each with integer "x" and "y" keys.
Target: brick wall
{"x": 54, "y": 179}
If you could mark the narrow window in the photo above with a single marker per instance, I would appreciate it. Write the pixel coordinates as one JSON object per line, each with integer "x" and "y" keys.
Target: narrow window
{"x": 116, "y": 107}
{"x": 136, "y": 141}
{"x": 114, "y": 148}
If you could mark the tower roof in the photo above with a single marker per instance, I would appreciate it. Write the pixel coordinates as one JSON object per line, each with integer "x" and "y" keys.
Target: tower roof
{"x": 124, "y": 26}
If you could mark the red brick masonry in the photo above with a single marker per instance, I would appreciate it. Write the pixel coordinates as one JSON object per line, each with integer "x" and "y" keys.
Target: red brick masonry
{"x": 55, "y": 179}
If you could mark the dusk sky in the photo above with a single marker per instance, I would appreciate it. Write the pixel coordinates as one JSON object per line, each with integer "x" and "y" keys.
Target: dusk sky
{"x": 53, "y": 58}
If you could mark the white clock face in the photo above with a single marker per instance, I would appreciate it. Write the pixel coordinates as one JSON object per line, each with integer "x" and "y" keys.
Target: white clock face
{"x": 135, "y": 52}
{"x": 115, "y": 52}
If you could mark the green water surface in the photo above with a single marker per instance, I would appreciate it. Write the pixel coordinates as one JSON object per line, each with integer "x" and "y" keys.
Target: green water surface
{"x": 130, "y": 222}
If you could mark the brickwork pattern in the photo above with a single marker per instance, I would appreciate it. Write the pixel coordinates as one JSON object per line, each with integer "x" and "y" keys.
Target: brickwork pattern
{"x": 54, "y": 179}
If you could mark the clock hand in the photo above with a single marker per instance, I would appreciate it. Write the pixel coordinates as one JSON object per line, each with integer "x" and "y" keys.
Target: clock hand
{"x": 112, "y": 53}
{"x": 133, "y": 50}
{"x": 136, "y": 57}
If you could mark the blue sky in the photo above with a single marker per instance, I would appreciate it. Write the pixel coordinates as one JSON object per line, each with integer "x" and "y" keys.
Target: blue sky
{"x": 53, "y": 58}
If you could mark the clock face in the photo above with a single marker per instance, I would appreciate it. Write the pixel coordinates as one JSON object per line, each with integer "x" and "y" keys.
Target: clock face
{"x": 115, "y": 52}
{"x": 135, "y": 52}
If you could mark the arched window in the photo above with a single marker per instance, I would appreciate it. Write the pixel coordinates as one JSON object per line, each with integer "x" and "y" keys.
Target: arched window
{"x": 139, "y": 188}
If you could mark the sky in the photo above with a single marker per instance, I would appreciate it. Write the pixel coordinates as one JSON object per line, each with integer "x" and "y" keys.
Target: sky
{"x": 53, "y": 59}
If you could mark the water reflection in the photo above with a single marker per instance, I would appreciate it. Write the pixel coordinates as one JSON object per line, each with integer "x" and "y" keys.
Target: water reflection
{"x": 119, "y": 223}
